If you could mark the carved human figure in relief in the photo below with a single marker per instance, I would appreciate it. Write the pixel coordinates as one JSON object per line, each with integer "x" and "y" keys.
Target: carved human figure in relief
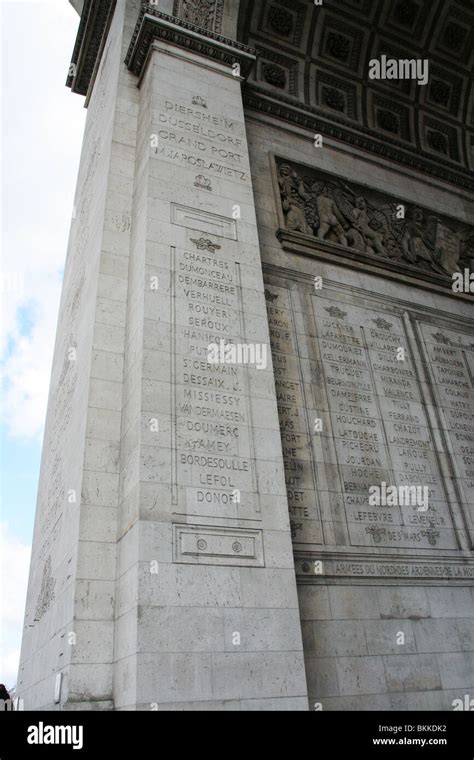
{"x": 293, "y": 196}
{"x": 360, "y": 221}
{"x": 367, "y": 227}
{"x": 414, "y": 241}
{"x": 330, "y": 218}
{"x": 467, "y": 252}
{"x": 332, "y": 211}
{"x": 419, "y": 241}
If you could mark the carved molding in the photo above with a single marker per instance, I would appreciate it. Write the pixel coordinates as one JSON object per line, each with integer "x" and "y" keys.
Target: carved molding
{"x": 429, "y": 128}
{"x": 430, "y": 315}
{"x": 93, "y": 27}
{"x": 154, "y": 25}
{"x": 365, "y": 568}
{"x": 370, "y": 226}
{"x": 316, "y": 120}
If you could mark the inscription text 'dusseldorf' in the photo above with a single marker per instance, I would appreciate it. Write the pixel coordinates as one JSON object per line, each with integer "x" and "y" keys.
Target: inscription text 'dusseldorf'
{"x": 201, "y": 140}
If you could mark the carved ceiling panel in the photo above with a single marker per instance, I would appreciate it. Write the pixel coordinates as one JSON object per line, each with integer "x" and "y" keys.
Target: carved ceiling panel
{"x": 320, "y": 57}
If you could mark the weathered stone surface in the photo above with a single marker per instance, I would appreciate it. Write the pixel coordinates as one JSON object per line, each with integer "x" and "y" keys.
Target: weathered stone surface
{"x": 204, "y": 536}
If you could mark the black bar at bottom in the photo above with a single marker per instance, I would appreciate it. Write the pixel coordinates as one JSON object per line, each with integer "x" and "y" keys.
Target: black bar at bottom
{"x": 384, "y": 735}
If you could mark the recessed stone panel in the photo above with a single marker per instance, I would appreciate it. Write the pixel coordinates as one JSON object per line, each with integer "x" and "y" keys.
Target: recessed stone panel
{"x": 204, "y": 545}
{"x": 206, "y": 221}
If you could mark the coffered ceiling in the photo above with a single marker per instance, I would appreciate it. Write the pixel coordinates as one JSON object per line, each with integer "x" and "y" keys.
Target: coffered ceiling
{"x": 313, "y": 65}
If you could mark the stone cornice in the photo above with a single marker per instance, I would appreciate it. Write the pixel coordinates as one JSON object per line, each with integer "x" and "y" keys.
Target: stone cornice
{"x": 372, "y": 567}
{"x": 95, "y": 19}
{"x": 304, "y": 245}
{"x": 452, "y": 321}
{"x": 338, "y": 128}
{"x": 153, "y": 25}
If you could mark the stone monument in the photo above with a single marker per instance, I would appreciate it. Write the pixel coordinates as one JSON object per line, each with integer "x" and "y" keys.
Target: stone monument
{"x": 257, "y": 482}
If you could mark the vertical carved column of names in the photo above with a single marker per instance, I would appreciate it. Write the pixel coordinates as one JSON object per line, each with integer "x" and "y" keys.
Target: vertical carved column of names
{"x": 294, "y": 424}
{"x": 213, "y": 445}
{"x": 359, "y": 458}
{"x": 411, "y": 448}
{"x": 173, "y": 437}
{"x": 449, "y": 359}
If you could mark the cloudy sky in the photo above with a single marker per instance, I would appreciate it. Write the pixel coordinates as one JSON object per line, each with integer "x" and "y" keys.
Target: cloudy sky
{"x": 41, "y": 133}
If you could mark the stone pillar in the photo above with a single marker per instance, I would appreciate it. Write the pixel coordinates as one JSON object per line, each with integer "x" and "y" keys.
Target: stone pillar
{"x": 162, "y": 572}
{"x": 207, "y": 613}
{"x": 67, "y": 650}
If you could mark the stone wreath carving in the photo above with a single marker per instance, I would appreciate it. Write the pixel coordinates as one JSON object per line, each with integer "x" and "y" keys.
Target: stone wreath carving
{"x": 317, "y": 204}
{"x": 204, "y": 13}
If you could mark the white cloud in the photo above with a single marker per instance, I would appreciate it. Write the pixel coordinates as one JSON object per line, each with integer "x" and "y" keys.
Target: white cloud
{"x": 14, "y": 566}
{"x": 41, "y": 135}
{"x": 41, "y": 146}
{"x": 27, "y": 369}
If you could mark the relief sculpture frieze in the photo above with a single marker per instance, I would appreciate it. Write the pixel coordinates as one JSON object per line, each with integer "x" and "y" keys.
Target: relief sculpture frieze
{"x": 383, "y": 228}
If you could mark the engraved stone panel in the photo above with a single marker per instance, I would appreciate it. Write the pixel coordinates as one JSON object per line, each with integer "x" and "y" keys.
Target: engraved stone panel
{"x": 210, "y": 411}
{"x": 218, "y": 546}
{"x": 379, "y": 428}
{"x": 354, "y": 366}
{"x": 450, "y": 362}
{"x": 293, "y": 406}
